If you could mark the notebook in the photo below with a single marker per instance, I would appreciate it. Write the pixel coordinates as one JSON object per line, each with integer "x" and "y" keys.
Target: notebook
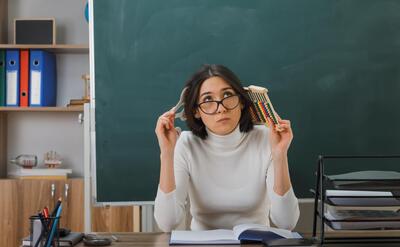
{"x": 244, "y": 233}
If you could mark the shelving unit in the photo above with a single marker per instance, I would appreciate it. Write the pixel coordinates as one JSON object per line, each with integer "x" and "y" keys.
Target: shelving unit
{"x": 42, "y": 109}
{"x": 368, "y": 234}
{"x": 36, "y": 130}
{"x": 72, "y": 54}
{"x": 61, "y": 48}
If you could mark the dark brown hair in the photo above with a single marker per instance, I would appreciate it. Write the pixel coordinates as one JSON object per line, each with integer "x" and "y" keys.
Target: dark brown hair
{"x": 193, "y": 85}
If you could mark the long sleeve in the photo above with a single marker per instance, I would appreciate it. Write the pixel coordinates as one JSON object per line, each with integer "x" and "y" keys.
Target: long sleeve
{"x": 229, "y": 182}
{"x": 284, "y": 210}
{"x": 169, "y": 208}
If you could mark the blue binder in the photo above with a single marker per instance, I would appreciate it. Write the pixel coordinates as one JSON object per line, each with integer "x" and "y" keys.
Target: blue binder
{"x": 43, "y": 79}
{"x": 12, "y": 77}
{"x": 2, "y": 77}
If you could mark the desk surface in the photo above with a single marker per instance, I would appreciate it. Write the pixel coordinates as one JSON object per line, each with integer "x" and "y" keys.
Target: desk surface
{"x": 162, "y": 240}
{"x": 149, "y": 239}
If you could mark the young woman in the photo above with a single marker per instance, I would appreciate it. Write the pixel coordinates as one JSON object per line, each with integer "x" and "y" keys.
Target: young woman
{"x": 231, "y": 171}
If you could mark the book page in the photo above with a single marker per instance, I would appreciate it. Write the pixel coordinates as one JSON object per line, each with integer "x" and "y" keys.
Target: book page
{"x": 237, "y": 230}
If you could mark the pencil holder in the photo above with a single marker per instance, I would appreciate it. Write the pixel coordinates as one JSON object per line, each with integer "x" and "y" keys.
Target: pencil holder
{"x": 44, "y": 232}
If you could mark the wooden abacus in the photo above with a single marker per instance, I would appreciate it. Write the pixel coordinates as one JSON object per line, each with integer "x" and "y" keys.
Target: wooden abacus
{"x": 262, "y": 107}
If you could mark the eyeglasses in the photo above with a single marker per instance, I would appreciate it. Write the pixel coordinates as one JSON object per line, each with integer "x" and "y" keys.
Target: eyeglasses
{"x": 211, "y": 107}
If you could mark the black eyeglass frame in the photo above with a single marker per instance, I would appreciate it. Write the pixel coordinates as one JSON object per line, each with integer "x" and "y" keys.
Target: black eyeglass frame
{"x": 219, "y": 102}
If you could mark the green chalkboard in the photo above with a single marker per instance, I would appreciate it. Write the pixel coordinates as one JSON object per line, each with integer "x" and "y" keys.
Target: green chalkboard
{"x": 332, "y": 68}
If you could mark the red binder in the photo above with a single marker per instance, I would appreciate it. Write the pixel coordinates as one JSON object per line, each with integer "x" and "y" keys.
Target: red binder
{"x": 24, "y": 78}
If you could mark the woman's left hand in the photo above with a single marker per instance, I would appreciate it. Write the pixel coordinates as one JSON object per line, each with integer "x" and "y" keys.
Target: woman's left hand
{"x": 280, "y": 139}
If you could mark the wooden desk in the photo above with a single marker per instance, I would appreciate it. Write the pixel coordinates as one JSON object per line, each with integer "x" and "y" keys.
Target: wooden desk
{"x": 162, "y": 240}
{"x": 151, "y": 239}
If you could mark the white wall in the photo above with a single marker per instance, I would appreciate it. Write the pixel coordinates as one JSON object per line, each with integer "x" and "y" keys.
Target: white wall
{"x": 40, "y": 132}
{"x": 71, "y": 26}
{"x": 37, "y": 133}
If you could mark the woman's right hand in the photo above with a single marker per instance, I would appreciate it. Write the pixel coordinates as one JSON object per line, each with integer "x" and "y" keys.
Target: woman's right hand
{"x": 166, "y": 133}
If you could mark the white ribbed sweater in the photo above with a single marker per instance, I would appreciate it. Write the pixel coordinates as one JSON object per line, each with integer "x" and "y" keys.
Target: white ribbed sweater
{"x": 229, "y": 180}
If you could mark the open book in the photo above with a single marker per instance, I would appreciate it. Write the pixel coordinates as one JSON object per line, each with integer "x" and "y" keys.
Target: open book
{"x": 244, "y": 233}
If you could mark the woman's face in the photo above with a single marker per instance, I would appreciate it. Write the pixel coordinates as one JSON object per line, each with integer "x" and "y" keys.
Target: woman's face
{"x": 224, "y": 120}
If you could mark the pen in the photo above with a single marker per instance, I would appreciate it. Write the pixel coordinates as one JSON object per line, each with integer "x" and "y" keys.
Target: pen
{"x": 47, "y": 220}
{"x": 53, "y": 214}
{"x": 56, "y": 207}
{"x": 46, "y": 212}
{"x": 54, "y": 226}
{"x": 44, "y": 229}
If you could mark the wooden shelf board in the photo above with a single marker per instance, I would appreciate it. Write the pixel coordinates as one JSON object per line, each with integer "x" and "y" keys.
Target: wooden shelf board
{"x": 42, "y": 109}
{"x": 64, "y": 48}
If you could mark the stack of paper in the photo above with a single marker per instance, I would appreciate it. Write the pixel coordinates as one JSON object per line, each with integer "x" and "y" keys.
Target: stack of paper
{"x": 363, "y": 219}
{"x": 364, "y": 198}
